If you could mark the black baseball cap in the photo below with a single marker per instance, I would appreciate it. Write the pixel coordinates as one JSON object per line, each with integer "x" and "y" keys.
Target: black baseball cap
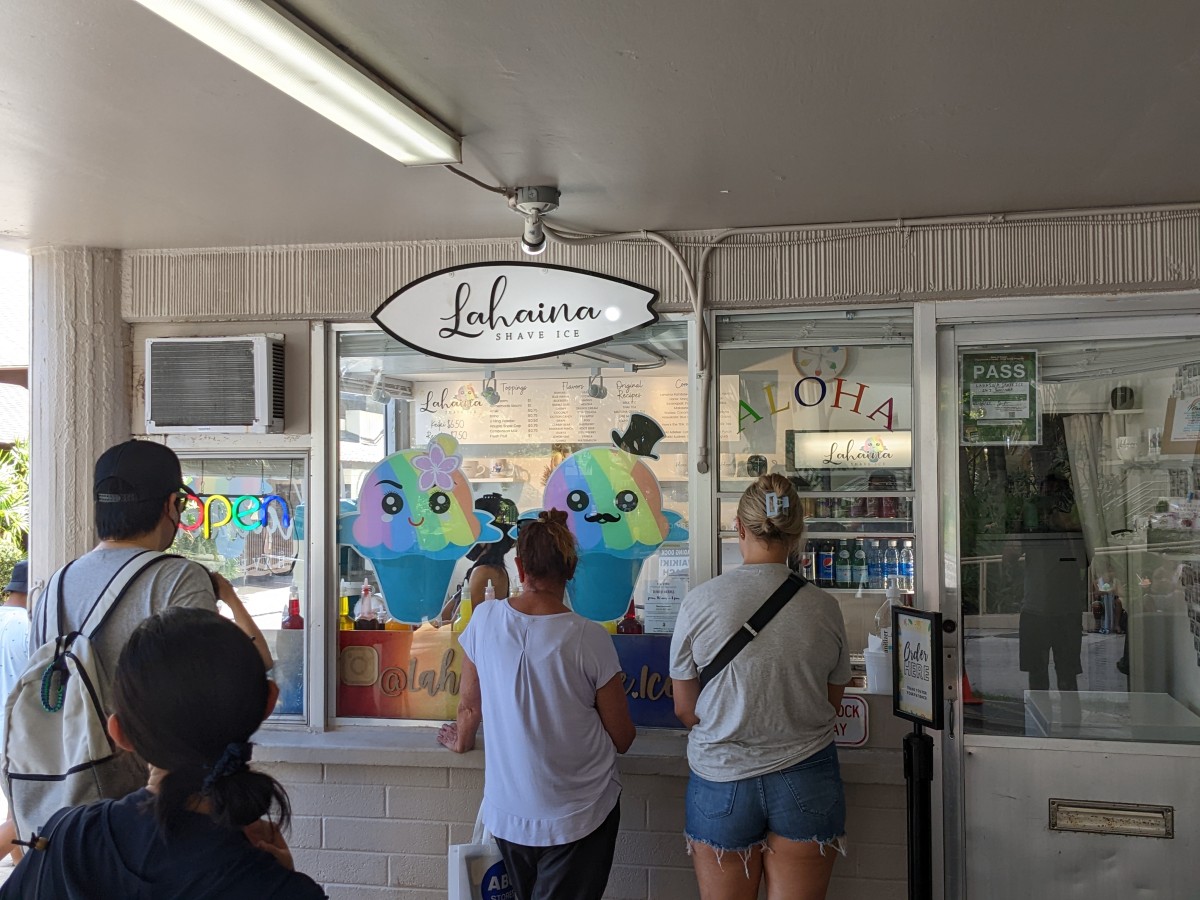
{"x": 136, "y": 470}
{"x": 19, "y": 581}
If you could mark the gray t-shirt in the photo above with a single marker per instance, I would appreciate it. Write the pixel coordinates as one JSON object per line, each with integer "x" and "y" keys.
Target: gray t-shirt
{"x": 769, "y": 708}
{"x": 172, "y": 582}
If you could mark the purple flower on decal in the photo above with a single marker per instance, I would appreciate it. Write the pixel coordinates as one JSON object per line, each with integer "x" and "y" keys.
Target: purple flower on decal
{"x": 436, "y": 468}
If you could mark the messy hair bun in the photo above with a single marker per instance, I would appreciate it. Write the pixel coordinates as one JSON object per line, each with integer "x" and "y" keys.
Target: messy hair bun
{"x": 546, "y": 546}
{"x": 787, "y": 525}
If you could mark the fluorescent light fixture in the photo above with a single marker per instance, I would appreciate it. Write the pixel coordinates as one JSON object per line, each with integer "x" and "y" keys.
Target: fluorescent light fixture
{"x": 277, "y": 49}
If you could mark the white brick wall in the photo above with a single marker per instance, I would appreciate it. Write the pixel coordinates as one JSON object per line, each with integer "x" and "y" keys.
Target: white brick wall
{"x": 369, "y": 832}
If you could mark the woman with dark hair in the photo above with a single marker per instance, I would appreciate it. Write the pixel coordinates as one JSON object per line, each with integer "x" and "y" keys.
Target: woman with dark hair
{"x": 487, "y": 560}
{"x": 190, "y": 690}
{"x": 765, "y": 800}
{"x": 557, "y": 718}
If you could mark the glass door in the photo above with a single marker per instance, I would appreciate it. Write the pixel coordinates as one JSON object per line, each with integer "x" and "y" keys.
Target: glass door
{"x": 1078, "y": 538}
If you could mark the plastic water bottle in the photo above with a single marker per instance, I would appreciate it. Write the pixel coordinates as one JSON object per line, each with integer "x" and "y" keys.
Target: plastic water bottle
{"x": 874, "y": 565}
{"x": 858, "y": 565}
{"x": 883, "y": 616}
{"x": 906, "y": 567}
{"x": 891, "y": 564}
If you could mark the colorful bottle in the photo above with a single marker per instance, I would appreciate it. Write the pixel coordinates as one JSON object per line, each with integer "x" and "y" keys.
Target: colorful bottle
{"x": 345, "y": 620}
{"x": 293, "y": 621}
{"x": 826, "y": 556}
{"x": 391, "y": 624}
{"x": 630, "y": 624}
{"x": 465, "y": 608}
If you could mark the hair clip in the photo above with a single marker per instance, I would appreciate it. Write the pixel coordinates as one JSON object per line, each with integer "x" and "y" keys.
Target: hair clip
{"x": 775, "y": 504}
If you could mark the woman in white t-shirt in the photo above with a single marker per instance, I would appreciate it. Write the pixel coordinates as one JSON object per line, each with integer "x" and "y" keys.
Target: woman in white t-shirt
{"x": 556, "y": 714}
{"x": 765, "y": 786}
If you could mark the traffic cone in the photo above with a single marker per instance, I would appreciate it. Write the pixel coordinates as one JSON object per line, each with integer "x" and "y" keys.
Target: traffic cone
{"x": 968, "y": 698}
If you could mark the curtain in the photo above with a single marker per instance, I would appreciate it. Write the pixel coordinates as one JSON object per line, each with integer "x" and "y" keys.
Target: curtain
{"x": 1099, "y": 494}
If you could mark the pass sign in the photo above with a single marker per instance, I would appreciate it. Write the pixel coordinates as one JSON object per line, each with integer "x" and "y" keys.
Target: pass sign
{"x": 999, "y": 398}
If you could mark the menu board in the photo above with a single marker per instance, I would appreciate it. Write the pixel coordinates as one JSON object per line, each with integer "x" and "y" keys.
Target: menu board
{"x": 549, "y": 410}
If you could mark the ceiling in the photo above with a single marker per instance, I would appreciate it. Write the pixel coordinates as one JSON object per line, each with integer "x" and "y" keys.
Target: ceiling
{"x": 118, "y": 130}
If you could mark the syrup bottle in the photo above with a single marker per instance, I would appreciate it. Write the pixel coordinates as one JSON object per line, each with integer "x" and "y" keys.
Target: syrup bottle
{"x": 364, "y": 615}
{"x": 293, "y": 620}
{"x": 630, "y": 624}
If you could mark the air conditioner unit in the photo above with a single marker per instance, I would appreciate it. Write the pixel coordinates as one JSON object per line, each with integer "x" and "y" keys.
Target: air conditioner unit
{"x": 215, "y": 384}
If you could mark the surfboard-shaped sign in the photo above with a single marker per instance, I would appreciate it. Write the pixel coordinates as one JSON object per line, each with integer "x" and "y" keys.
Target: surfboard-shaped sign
{"x": 513, "y": 311}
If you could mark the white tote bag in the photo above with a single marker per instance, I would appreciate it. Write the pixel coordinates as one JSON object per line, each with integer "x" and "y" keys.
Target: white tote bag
{"x": 476, "y": 870}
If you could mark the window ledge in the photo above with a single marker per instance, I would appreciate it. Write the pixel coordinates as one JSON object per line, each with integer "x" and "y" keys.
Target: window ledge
{"x": 655, "y": 752}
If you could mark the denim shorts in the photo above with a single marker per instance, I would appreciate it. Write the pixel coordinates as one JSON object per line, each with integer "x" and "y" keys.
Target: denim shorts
{"x": 805, "y": 802}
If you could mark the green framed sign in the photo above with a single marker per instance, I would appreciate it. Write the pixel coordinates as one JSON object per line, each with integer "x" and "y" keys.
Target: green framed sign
{"x": 999, "y": 399}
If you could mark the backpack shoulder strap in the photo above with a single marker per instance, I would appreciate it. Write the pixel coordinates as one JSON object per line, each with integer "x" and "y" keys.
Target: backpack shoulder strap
{"x": 47, "y": 613}
{"x": 115, "y": 589}
{"x": 752, "y": 626}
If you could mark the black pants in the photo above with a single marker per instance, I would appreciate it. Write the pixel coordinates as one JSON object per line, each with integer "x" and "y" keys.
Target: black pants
{"x": 575, "y": 871}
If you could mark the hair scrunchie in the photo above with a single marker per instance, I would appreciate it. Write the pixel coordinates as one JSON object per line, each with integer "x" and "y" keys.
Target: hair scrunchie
{"x": 233, "y": 760}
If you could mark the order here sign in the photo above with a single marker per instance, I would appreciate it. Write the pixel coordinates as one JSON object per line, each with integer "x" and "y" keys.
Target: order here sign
{"x": 850, "y": 725}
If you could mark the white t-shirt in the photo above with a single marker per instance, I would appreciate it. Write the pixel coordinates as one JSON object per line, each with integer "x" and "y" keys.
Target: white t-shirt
{"x": 14, "y": 653}
{"x": 551, "y": 768}
{"x": 769, "y": 708}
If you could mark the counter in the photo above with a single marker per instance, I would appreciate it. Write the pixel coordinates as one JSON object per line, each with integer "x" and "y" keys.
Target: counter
{"x": 375, "y": 808}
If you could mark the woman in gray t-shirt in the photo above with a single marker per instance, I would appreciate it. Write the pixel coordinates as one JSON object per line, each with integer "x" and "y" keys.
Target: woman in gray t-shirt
{"x": 764, "y": 769}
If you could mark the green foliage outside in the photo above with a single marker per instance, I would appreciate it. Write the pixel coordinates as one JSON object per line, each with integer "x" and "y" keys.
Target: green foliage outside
{"x": 14, "y": 507}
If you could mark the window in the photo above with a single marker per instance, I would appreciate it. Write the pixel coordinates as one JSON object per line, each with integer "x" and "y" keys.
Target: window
{"x": 438, "y": 460}
{"x": 826, "y": 400}
{"x": 244, "y": 519}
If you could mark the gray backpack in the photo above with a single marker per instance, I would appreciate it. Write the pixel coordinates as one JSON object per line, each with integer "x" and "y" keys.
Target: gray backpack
{"x": 57, "y": 751}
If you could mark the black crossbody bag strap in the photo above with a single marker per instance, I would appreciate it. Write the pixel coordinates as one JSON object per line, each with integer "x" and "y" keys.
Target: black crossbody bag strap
{"x": 752, "y": 627}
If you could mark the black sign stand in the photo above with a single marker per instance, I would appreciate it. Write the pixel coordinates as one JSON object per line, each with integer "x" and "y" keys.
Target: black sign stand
{"x": 918, "y": 748}
{"x": 918, "y": 782}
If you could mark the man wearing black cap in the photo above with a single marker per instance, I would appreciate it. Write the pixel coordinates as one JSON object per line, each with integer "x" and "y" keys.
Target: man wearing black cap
{"x": 139, "y": 498}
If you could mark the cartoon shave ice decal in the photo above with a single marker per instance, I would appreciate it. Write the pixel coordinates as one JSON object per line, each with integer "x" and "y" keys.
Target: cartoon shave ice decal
{"x": 414, "y": 519}
{"x": 614, "y": 507}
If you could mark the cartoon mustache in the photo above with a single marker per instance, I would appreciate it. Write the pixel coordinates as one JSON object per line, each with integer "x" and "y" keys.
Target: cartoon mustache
{"x": 602, "y": 517}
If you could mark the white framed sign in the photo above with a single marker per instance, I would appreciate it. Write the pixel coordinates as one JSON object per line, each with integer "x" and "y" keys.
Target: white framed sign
{"x": 851, "y": 725}
{"x": 513, "y": 311}
{"x": 849, "y": 449}
{"x": 917, "y": 665}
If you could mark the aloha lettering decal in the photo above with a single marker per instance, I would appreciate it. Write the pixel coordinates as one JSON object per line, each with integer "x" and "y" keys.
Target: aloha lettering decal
{"x": 507, "y": 312}
{"x": 249, "y": 512}
{"x": 886, "y": 410}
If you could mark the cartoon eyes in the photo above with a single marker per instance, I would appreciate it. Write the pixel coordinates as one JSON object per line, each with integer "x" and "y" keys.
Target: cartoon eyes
{"x": 627, "y": 501}
{"x": 392, "y": 503}
{"x": 439, "y": 502}
{"x": 578, "y": 501}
